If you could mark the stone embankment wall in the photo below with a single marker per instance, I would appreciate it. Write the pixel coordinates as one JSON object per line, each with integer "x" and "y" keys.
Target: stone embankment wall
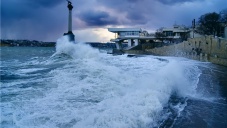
{"x": 205, "y": 48}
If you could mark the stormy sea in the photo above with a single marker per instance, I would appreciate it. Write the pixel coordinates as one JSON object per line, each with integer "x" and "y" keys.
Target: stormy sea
{"x": 76, "y": 86}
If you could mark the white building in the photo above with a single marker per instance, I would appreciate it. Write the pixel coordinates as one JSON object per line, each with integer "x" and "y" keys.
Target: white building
{"x": 176, "y": 32}
{"x": 126, "y": 32}
{"x": 132, "y": 35}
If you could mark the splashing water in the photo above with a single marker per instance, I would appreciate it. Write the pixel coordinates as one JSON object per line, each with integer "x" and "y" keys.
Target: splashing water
{"x": 93, "y": 89}
{"x": 75, "y": 50}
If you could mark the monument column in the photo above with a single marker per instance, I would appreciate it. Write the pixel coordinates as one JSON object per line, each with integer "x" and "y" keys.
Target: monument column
{"x": 70, "y": 7}
{"x": 70, "y": 33}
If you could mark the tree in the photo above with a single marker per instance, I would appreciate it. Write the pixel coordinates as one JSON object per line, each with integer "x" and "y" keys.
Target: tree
{"x": 159, "y": 34}
{"x": 145, "y": 33}
{"x": 223, "y": 15}
{"x": 209, "y": 24}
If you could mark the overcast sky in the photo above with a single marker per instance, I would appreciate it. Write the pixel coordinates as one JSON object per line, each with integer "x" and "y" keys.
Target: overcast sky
{"x": 46, "y": 20}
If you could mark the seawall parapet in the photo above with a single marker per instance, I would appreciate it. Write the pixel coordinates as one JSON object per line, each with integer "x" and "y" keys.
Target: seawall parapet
{"x": 205, "y": 48}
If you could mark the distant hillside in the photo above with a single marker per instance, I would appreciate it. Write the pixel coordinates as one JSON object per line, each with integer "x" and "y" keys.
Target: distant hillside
{"x": 34, "y": 43}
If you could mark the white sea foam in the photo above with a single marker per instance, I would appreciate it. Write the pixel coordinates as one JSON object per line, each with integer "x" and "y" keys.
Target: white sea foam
{"x": 30, "y": 70}
{"x": 75, "y": 50}
{"x": 93, "y": 90}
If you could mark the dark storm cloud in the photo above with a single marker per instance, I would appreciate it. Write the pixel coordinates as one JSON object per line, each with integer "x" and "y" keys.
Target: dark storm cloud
{"x": 47, "y": 19}
{"x": 44, "y": 3}
{"x": 133, "y": 0}
{"x": 29, "y": 19}
{"x": 160, "y": 12}
{"x": 176, "y": 1}
{"x": 136, "y": 17}
{"x": 14, "y": 9}
{"x": 97, "y": 18}
{"x": 133, "y": 10}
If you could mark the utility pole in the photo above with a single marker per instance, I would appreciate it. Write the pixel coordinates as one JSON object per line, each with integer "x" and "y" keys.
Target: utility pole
{"x": 193, "y": 27}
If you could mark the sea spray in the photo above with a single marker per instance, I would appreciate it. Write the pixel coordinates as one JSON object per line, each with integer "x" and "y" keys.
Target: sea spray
{"x": 75, "y": 50}
{"x": 91, "y": 89}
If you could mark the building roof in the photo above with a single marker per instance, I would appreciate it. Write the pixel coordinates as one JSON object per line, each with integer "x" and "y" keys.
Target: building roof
{"x": 167, "y": 29}
{"x": 114, "y": 30}
{"x": 175, "y": 30}
{"x": 180, "y": 30}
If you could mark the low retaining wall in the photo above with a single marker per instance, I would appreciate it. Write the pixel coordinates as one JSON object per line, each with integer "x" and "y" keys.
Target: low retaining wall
{"x": 204, "y": 48}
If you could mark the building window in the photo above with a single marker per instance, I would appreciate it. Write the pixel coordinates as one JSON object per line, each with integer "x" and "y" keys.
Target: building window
{"x": 177, "y": 34}
{"x": 169, "y": 33}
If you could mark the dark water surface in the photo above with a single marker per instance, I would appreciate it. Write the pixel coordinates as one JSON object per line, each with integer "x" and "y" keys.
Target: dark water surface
{"x": 210, "y": 112}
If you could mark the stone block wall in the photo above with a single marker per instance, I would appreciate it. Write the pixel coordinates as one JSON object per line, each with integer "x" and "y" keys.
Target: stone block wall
{"x": 205, "y": 48}
{"x": 215, "y": 47}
